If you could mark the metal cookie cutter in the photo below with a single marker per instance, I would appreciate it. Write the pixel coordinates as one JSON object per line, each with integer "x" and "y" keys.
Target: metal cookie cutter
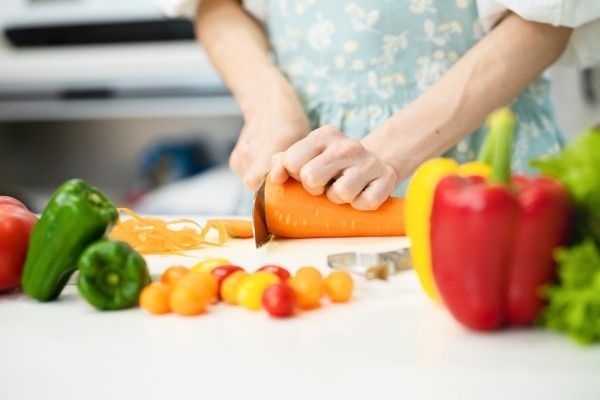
{"x": 372, "y": 265}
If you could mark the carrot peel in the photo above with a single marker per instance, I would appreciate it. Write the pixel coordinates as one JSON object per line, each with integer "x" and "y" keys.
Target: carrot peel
{"x": 150, "y": 235}
{"x": 235, "y": 228}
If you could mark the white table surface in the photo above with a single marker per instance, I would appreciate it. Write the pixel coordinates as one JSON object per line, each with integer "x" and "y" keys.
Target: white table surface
{"x": 389, "y": 342}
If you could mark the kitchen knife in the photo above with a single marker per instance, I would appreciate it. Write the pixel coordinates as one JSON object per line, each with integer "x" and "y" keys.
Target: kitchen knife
{"x": 259, "y": 221}
{"x": 372, "y": 265}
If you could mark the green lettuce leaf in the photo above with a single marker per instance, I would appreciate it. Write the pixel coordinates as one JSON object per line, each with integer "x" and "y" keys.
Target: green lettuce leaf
{"x": 574, "y": 301}
{"x": 578, "y": 168}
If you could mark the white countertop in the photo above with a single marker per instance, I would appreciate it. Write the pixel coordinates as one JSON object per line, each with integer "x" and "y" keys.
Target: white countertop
{"x": 389, "y": 342}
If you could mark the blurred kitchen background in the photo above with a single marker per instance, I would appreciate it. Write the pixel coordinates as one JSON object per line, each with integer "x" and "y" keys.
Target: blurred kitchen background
{"x": 112, "y": 92}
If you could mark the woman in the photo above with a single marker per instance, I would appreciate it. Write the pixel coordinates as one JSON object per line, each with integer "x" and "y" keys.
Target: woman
{"x": 350, "y": 96}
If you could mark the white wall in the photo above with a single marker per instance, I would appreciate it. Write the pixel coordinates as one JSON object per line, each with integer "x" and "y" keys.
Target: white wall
{"x": 573, "y": 112}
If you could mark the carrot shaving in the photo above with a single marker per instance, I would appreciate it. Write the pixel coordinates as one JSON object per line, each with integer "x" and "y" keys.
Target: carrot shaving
{"x": 150, "y": 235}
{"x": 235, "y": 228}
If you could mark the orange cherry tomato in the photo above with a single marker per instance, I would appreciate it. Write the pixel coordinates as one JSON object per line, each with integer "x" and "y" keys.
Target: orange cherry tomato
{"x": 155, "y": 298}
{"x": 187, "y": 300}
{"x": 251, "y": 289}
{"x": 203, "y": 282}
{"x": 314, "y": 275}
{"x": 309, "y": 271}
{"x": 230, "y": 286}
{"x": 339, "y": 286}
{"x": 308, "y": 291}
{"x": 173, "y": 274}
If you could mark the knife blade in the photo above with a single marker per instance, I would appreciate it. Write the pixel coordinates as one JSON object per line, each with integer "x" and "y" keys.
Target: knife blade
{"x": 262, "y": 235}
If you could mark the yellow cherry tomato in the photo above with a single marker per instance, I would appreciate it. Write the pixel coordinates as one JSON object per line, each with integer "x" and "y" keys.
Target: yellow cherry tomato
{"x": 339, "y": 286}
{"x": 251, "y": 289}
{"x": 207, "y": 265}
{"x": 230, "y": 286}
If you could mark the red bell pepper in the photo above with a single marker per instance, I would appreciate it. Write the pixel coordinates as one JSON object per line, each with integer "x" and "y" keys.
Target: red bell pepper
{"x": 16, "y": 223}
{"x": 492, "y": 241}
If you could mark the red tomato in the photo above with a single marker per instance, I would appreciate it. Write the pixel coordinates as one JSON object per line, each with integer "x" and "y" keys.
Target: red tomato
{"x": 279, "y": 300}
{"x": 16, "y": 223}
{"x": 281, "y": 272}
{"x": 223, "y": 271}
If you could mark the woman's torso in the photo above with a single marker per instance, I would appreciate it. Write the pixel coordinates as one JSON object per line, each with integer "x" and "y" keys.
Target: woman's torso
{"x": 354, "y": 63}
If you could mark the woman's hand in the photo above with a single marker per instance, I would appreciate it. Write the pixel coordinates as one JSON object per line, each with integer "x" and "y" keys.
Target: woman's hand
{"x": 271, "y": 126}
{"x": 273, "y": 114}
{"x": 328, "y": 161}
{"x": 490, "y": 75}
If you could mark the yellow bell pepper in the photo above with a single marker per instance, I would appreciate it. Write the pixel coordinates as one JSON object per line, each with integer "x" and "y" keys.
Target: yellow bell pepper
{"x": 417, "y": 210}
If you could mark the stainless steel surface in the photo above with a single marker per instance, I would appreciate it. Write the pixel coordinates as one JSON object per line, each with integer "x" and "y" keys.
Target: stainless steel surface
{"x": 372, "y": 265}
{"x": 259, "y": 221}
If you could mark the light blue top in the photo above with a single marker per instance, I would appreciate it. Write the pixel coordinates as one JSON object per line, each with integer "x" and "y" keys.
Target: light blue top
{"x": 355, "y": 63}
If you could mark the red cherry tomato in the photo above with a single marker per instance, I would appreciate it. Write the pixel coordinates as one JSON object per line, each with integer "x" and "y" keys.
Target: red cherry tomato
{"x": 223, "y": 271}
{"x": 281, "y": 272}
{"x": 279, "y": 300}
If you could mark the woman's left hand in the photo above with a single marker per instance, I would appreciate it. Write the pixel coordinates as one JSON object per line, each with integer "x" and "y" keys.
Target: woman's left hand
{"x": 328, "y": 161}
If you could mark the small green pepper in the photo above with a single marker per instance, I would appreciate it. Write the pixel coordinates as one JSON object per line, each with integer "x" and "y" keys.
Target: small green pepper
{"x": 76, "y": 215}
{"x": 111, "y": 275}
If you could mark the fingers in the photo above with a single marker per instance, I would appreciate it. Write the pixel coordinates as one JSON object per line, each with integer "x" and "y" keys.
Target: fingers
{"x": 278, "y": 173}
{"x": 349, "y": 185}
{"x": 326, "y": 155}
{"x": 305, "y": 150}
{"x": 320, "y": 157}
{"x": 374, "y": 194}
{"x": 319, "y": 172}
{"x": 257, "y": 171}
{"x": 239, "y": 161}
{"x": 354, "y": 179}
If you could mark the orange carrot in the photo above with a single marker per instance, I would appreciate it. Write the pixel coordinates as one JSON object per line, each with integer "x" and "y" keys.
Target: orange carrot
{"x": 235, "y": 228}
{"x": 294, "y": 213}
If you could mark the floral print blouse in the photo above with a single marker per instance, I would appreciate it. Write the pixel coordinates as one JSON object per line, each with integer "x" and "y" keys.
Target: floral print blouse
{"x": 356, "y": 62}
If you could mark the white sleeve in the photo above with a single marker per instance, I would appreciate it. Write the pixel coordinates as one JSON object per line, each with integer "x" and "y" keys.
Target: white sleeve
{"x": 187, "y": 8}
{"x": 179, "y": 8}
{"x": 583, "y": 16}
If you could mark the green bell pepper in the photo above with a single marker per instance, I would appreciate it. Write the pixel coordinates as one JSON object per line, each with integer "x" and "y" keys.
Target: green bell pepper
{"x": 76, "y": 215}
{"x": 111, "y": 275}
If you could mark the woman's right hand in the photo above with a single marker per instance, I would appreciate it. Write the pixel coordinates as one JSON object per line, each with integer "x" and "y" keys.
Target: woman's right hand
{"x": 272, "y": 125}
{"x": 274, "y": 119}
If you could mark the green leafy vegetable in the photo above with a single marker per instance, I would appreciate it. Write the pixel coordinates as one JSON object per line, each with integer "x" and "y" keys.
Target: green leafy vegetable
{"x": 578, "y": 168}
{"x": 574, "y": 302}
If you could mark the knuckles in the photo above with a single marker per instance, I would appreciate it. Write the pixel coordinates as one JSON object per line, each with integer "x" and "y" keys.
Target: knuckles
{"x": 326, "y": 132}
{"x": 340, "y": 193}
{"x": 348, "y": 148}
{"x": 367, "y": 202}
{"x": 309, "y": 178}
